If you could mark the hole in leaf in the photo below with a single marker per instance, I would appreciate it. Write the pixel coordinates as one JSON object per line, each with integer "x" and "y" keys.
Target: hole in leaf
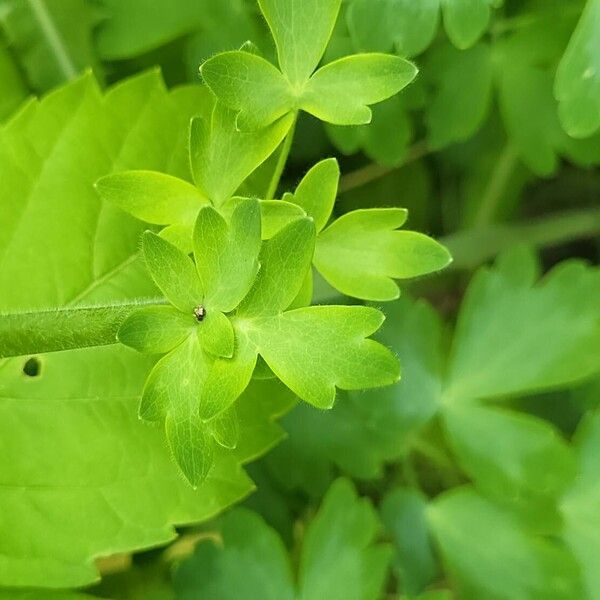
{"x": 32, "y": 367}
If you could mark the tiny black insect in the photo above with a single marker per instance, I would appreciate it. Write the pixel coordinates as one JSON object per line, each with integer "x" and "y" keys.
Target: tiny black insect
{"x": 200, "y": 312}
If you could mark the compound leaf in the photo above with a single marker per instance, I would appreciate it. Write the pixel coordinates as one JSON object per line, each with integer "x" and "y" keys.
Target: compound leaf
{"x": 316, "y": 349}
{"x": 341, "y": 91}
{"x": 514, "y": 561}
{"x": 577, "y": 85}
{"x": 152, "y": 197}
{"x": 361, "y": 252}
{"x": 301, "y": 29}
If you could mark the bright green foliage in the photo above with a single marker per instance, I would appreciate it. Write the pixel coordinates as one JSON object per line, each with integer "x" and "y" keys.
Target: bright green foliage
{"x": 409, "y": 27}
{"x": 339, "y": 559}
{"x": 94, "y": 479}
{"x": 207, "y": 369}
{"x": 361, "y": 252}
{"x": 53, "y": 38}
{"x": 366, "y": 429}
{"x": 510, "y": 561}
{"x": 222, "y": 157}
{"x": 339, "y": 92}
{"x": 577, "y": 84}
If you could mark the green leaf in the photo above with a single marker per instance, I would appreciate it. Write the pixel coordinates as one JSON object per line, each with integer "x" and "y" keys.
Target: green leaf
{"x": 339, "y": 356}
{"x": 61, "y": 245}
{"x": 341, "y": 91}
{"x": 226, "y": 429}
{"x": 222, "y": 157}
{"x": 87, "y": 399}
{"x": 152, "y": 197}
{"x": 339, "y": 558}
{"x": 516, "y": 335}
{"x": 252, "y": 562}
{"x": 317, "y": 191}
{"x": 285, "y": 259}
{"x": 227, "y": 254}
{"x": 580, "y": 506}
{"x": 463, "y": 81}
{"x": 276, "y": 214}
{"x": 216, "y": 334}
{"x": 403, "y": 515}
{"x": 361, "y": 252}
{"x": 577, "y": 85}
{"x": 522, "y": 454}
{"x": 364, "y": 430}
{"x": 466, "y": 20}
{"x": 250, "y": 86}
{"x": 51, "y": 38}
{"x": 191, "y": 442}
{"x": 156, "y": 329}
{"x": 176, "y": 379}
{"x": 511, "y": 563}
{"x": 301, "y": 29}
{"x": 173, "y": 272}
{"x": 228, "y": 378}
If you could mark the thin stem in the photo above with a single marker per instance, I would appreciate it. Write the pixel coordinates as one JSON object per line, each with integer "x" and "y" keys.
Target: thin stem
{"x": 493, "y": 194}
{"x": 373, "y": 171}
{"x": 284, "y": 154}
{"x": 472, "y": 247}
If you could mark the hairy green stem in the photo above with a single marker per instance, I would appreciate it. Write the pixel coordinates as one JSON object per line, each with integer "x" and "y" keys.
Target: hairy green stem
{"x": 472, "y": 247}
{"x": 284, "y": 154}
{"x": 53, "y": 330}
{"x": 374, "y": 171}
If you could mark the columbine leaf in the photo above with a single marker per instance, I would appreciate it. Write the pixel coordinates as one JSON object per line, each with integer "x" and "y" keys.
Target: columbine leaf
{"x": 463, "y": 79}
{"x": 191, "y": 442}
{"x": 173, "y": 272}
{"x": 361, "y": 252}
{"x": 339, "y": 355}
{"x": 545, "y": 334}
{"x": 216, "y": 334}
{"x": 175, "y": 379}
{"x": 276, "y": 214}
{"x": 156, "y": 329}
{"x": 522, "y": 454}
{"x": 577, "y": 85}
{"x": 251, "y": 86}
{"x": 341, "y": 91}
{"x": 285, "y": 259}
{"x": 366, "y": 429}
{"x": 339, "y": 558}
{"x": 226, "y": 429}
{"x": 580, "y": 507}
{"x": 228, "y": 378}
{"x": 317, "y": 191}
{"x": 301, "y": 29}
{"x": 466, "y": 20}
{"x": 403, "y": 514}
{"x": 513, "y": 560}
{"x": 223, "y": 157}
{"x": 227, "y": 254}
{"x": 379, "y": 25}
{"x": 152, "y": 197}
{"x": 235, "y": 570}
